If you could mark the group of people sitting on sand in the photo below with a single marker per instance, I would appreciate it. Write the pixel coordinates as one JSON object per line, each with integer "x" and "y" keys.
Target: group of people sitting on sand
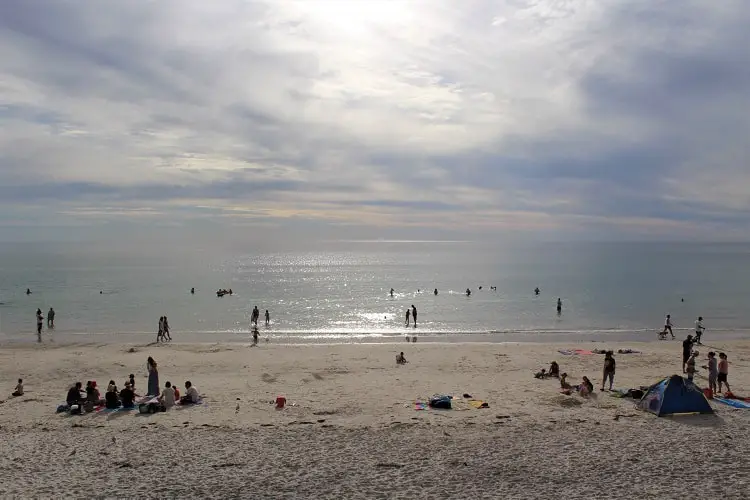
{"x": 79, "y": 401}
{"x": 585, "y": 388}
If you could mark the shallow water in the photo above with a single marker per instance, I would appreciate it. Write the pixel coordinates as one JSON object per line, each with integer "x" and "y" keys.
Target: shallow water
{"x": 340, "y": 291}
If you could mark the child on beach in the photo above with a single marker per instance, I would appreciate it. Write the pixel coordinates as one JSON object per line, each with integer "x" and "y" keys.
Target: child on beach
{"x": 586, "y": 387}
{"x": 19, "y": 388}
{"x": 400, "y": 359}
{"x": 712, "y": 371}
{"x": 691, "y": 365}
{"x": 723, "y": 371}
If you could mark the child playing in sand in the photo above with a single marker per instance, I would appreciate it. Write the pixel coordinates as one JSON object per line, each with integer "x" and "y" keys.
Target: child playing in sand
{"x": 541, "y": 374}
{"x": 19, "y": 388}
{"x": 554, "y": 370}
{"x": 586, "y": 387}
{"x": 723, "y": 371}
{"x": 564, "y": 385}
{"x": 400, "y": 359}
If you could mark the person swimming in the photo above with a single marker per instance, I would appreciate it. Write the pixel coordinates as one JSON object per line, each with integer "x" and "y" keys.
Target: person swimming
{"x": 536, "y": 291}
{"x": 435, "y": 292}
{"x": 468, "y": 292}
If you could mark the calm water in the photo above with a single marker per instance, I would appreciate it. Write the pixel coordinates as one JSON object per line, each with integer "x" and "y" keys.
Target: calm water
{"x": 340, "y": 291}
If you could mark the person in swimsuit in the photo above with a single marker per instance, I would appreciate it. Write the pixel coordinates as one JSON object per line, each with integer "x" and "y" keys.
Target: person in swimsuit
{"x": 408, "y": 316}
{"x": 414, "y": 315}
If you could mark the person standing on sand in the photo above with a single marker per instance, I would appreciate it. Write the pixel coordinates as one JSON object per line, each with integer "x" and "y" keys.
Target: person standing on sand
{"x": 723, "y": 371}
{"x": 699, "y": 330}
{"x": 408, "y": 316}
{"x": 268, "y": 318}
{"x": 153, "y": 377}
{"x": 687, "y": 347}
{"x": 255, "y": 336}
{"x": 712, "y": 371}
{"x": 609, "y": 370}
{"x": 414, "y": 315}
{"x": 691, "y": 365}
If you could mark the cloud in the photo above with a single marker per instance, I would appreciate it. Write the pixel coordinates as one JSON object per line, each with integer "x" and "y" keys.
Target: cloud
{"x": 539, "y": 116}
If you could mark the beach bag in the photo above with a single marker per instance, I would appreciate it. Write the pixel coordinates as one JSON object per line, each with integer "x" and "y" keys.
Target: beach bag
{"x": 440, "y": 402}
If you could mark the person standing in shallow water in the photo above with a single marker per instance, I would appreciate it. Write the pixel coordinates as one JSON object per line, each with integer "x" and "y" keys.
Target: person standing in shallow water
{"x": 408, "y": 316}
{"x": 559, "y": 305}
{"x": 268, "y": 318}
{"x": 414, "y": 315}
{"x": 51, "y": 318}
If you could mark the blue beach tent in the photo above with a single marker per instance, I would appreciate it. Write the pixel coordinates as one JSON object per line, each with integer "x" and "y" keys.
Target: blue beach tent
{"x": 674, "y": 395}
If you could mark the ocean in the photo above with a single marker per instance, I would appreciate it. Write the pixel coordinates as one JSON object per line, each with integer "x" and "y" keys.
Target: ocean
{"x": 339, "y": 291}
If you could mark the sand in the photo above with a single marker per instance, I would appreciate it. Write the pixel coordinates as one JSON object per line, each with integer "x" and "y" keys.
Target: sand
{"x": 350, "y": 429}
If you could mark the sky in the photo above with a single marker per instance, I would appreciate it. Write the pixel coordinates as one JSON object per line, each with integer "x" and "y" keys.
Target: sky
{"x": 437, "y": 119}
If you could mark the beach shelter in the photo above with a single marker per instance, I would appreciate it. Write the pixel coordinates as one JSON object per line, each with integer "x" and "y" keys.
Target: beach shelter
{"x": 674, "y": 395}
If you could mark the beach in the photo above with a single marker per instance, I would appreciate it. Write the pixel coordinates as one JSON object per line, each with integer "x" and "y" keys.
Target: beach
{"x": 350, "y": 428}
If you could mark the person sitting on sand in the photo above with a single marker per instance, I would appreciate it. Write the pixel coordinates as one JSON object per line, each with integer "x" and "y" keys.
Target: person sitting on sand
{"x": 400, "y": 359}
{"x": 19, "y": 389}
{"x": 554, "y": 370}
{"x": 92, "y": 393}
{"x": 167, "y": 396}
{"x": 191, "y": 396}
{"x": 564, "y": 385}
{"x": 111, "y": 399}
{"x": 541, "y": 374}
{"x": 127, "y": 396}
{"x": 586, "y": 388}
{"x": 74, "y": 395}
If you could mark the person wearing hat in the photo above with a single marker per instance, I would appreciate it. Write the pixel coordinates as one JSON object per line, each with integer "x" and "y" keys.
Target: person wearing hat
{"x": 687, "y": 347}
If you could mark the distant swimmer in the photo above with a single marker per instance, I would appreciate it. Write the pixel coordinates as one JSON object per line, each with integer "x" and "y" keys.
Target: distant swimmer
{"x": 493, "y": 288}
{"x": 536, "y": 291}
{"x": 414, "y": 315}
{"x": 391, "y": 292}
{"x": 192, "y": 291}
{"x": 559, "y": 305}
{"x": 435, "y": 292}
{"x": 468, "y": 292}
{"x": 480, "y": 287}
{"x": 28, "y": 291}
{"x": 408, "y": 316}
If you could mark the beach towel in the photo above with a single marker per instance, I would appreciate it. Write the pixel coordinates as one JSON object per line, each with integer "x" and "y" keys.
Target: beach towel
{"x": 734, "y": 403}
{"x": 478, "y": 403}
{"x": 419, "y": 405}
{"x": 571, "y": 352}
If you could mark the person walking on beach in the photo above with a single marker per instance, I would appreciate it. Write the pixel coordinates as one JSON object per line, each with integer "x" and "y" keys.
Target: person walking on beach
{"x": 559, "y": 305}
{"x": 408, "y": 315}
{"x": 255, "y": 336}
{"x": 51, "y": 318}
{"x": 668, "y": 325}
{"x": 414, "y": 315}
{"x": 609, "y": 370}
{"x": 153, "y": 377}
{"x": 723, "y": 371}
{"x": 687, "y": 347}
{"x": 160, "y": 332}
{"x": 167, "y": 336}
{"x": 268, "y": 318}
{"x": 699, "y": 330}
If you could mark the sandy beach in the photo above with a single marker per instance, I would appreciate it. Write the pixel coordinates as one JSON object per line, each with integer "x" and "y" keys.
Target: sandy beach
{"x": 350, "y": 428}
